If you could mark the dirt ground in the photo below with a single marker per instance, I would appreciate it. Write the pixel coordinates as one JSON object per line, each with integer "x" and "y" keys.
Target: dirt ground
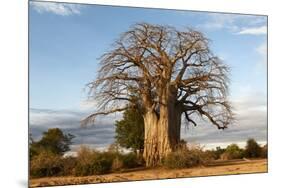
{"x": 215, "y": 168}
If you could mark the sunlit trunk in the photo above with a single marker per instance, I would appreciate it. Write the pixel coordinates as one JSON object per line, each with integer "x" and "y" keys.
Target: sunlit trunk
{"x": 162, "y": 132}
{"x": 151, "y": 151}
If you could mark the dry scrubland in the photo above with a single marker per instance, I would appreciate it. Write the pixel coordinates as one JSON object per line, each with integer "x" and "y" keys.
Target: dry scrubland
{"x": 49, "y": 167}
{"x": 215, "y": 168}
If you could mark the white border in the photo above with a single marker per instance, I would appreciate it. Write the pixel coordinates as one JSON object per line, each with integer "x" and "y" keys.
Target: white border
{"x": 13, "y": 84}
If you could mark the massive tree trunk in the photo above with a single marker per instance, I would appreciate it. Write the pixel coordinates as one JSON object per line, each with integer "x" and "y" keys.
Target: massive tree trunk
{"x": 162, "y": 132}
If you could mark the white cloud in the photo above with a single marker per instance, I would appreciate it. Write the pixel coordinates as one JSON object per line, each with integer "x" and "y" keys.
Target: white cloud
{"x": 56, "y": 8}
{"x": 262, "y": 30}
{"x": 54, "y": 118}
{"x": 218, "y": 21}
{"x": 235, "y": 23}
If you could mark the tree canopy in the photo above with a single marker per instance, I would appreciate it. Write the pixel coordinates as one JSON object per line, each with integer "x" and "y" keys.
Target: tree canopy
{"x": 149, "y": 59}
{"x": 253, "y": 149}
{"x": 53, "y": 140}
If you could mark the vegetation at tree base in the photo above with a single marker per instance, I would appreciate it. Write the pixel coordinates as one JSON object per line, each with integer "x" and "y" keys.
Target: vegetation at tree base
{"x": 130, "y": 160}
{"x": 186, "y": 157}
{"x": 130, "y": 130}
{"x": 54, "y": 141}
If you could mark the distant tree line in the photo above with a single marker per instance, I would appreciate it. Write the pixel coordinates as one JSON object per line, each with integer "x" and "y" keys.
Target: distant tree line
{"x": 233, "y": 151}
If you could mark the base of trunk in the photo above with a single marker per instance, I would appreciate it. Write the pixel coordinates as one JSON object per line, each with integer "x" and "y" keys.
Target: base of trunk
{"x": 161, "y": 137}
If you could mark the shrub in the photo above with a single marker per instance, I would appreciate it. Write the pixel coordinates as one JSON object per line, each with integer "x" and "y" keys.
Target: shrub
{"x": 115, "y": 157}
{"x": 121, "y": 160}
{"x": 46, "y": 164}
{"x": 253, "y": 149}
{"x": 130, "y": 160}
{"x": 91, "y": 162}
{"x": 210, "y": 155}
{"x": 117, "y": 163}
{"x": 97, "y": 166}
{"x": 185, "y": 158}
{"x": 217, "y": 153}
{"x": 232, "y": 152}
{"x": 68, "y": 165}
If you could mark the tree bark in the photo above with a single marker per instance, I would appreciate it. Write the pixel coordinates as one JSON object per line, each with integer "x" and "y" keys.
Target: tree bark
{"x": 151, "y": 152}
{"x": 162, "y": 132}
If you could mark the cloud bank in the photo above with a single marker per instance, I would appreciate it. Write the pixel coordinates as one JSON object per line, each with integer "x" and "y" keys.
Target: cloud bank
{"x": 254, "y": 31}
{"x": 235, "y": 23}
{"x": 251, "y": 122}
{"x": 99, "y": 135}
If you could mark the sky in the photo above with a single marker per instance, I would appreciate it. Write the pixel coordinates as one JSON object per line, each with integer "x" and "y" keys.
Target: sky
{"x": 66, "y": 40}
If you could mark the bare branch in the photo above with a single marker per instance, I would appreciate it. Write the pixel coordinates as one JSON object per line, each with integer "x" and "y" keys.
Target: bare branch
{"x": 189, "y": 119}
{"x": 91, "y": 118}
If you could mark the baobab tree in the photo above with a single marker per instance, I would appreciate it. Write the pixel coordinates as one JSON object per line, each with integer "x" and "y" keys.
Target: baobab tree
{"x": 172, "y": 74}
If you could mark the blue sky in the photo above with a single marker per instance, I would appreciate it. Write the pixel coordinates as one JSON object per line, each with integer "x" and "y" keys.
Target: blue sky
{"x": 66, "y": 40}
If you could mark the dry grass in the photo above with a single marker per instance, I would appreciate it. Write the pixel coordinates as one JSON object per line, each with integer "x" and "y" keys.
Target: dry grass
{"x": 216, "y": 168}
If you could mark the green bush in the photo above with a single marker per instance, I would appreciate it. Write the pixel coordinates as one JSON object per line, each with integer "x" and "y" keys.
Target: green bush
{"x": 232, "y": 152}
{"x": 46, "y": 164}
{"x": 185, "y": 158}
{"x": 95, "y": 167}
{"x": 130, "y": 160}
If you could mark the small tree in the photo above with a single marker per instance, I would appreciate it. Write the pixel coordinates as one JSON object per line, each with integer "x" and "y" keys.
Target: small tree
{"x": 253, "y": 149}
{"x": 54, "y": 140}
{"x": 130, "y": 130}
{"x": 218, "y": 152}
{"x": 233, "y": 152}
